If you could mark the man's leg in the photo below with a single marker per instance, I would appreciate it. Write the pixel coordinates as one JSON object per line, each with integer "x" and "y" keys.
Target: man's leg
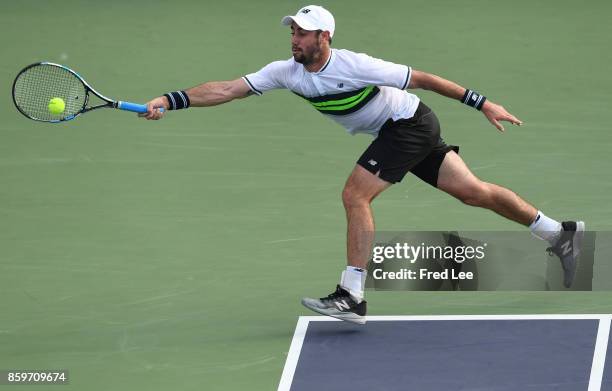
{"x": 455, "y": 178}
{"x": 347, "y": 301}
{"x": 359, "y": 191}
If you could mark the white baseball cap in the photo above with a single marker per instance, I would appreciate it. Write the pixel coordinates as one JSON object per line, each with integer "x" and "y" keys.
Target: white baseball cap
{"x": 311, "y": 18}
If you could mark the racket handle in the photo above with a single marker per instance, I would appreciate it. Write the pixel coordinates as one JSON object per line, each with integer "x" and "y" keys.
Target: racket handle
{"x": 135, "y": 107}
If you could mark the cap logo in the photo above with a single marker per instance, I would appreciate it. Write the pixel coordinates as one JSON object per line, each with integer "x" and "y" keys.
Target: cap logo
{"x": 305, "y": 11}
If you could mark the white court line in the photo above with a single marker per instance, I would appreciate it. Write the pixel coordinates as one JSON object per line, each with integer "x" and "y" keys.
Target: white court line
{"x": 599, "y": 355}
{"x": 466, "y": 317}
{"x": 294, "y": 354}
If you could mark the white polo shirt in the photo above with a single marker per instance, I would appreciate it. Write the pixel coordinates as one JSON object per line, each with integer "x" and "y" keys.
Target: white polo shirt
{"x": 358, "y": 91}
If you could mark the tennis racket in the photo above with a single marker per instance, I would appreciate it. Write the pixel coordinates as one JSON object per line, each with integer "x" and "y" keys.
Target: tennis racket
{"x": 38, "y": 83}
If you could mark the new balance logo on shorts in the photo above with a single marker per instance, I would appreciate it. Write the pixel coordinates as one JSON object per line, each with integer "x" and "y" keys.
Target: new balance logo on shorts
{"x": 372, "y": 162}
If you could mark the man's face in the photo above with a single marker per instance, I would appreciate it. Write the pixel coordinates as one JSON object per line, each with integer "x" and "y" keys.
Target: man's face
{"x": 306, "y": 46}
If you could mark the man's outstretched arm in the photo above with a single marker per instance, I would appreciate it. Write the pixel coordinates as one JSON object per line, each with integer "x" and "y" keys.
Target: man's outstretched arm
{"x": 207, "y": 94}
{"x": 494, "y": 112}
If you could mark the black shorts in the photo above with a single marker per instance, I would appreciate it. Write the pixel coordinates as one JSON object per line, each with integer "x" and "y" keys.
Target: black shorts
{"x": 404, "y": 145}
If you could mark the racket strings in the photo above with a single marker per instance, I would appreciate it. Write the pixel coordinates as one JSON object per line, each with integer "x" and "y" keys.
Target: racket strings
{"x": 36, "y": 86}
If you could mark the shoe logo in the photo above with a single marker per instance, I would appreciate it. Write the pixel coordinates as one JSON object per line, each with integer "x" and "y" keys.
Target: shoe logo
{"x": 567, "y": 247}
{"x": 372, "y": 162}
{"x": 342, "y": 305}
{"x": 340, "y": 85}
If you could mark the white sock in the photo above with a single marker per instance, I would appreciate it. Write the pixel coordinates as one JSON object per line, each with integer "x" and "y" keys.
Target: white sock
{"x": 545, "y": 228}
{"x": 353, "y": 280}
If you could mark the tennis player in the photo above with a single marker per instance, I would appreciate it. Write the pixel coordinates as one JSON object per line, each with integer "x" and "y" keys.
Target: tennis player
{"x": 368, "y": 95}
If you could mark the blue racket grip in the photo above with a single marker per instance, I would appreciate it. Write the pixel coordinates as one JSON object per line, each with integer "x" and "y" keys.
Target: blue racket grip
{"x": 135, "y": 107}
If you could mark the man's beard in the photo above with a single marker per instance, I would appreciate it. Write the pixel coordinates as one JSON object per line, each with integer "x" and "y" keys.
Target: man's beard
{"x": 307, "y": 58}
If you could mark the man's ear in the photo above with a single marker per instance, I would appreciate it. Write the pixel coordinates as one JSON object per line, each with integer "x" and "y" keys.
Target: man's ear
{"x": 325, "y": 35}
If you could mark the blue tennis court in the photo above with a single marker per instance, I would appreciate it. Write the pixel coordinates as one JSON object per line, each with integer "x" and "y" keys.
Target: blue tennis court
{"x": 433, "y": 353}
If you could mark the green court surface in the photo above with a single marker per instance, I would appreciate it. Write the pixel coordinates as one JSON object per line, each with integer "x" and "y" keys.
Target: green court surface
{"x": 172, "y": 255}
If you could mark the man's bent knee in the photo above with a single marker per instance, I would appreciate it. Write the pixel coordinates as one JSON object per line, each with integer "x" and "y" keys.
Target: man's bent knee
{"x": 352, "y": 197}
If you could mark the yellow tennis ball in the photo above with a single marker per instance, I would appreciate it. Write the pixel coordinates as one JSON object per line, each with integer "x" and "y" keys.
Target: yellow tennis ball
{"x": 57, "y": 106}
